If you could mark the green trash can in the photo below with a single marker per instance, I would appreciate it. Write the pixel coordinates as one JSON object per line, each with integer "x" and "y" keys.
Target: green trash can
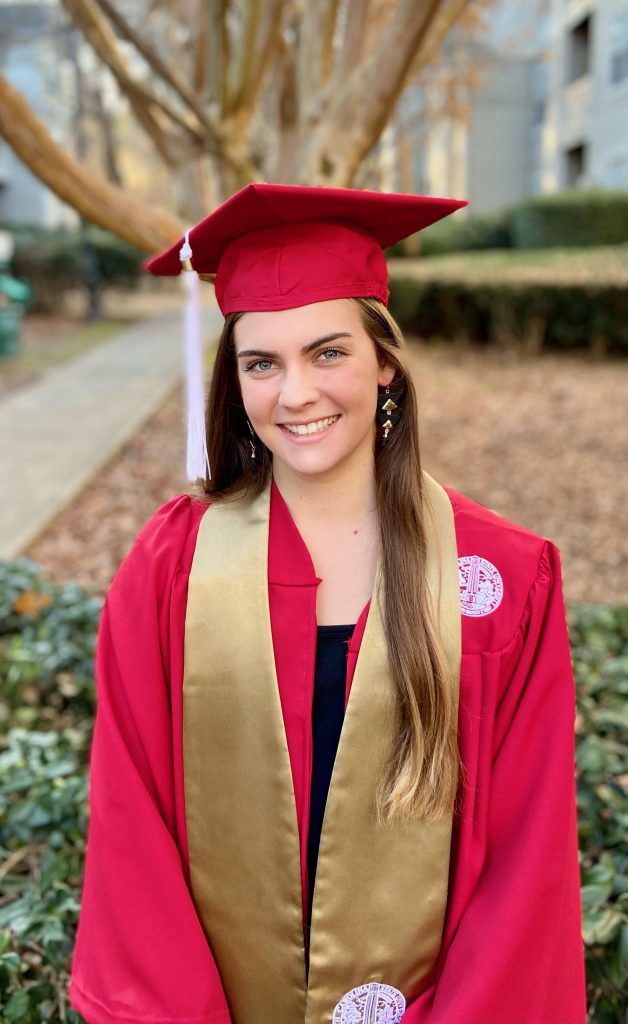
{"x": 10, "y": 323}
{"x": 14, "y": 298}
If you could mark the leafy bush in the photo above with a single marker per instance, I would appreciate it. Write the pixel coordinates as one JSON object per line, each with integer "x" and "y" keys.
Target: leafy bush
{"x": 55, "y": 262}
{"x": 459, "y": 234}
{"x": 599, "y": 641}
{"x": 575, "y": 217}
{"x": 47, "y": 641}
{"x": 43, "y": 816}
{"x": 47, "y": 703}
{"x": 520, "y": 314}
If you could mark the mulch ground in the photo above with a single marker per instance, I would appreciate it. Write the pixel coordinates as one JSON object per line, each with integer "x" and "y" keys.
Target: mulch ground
{"x": 540, "y": 441}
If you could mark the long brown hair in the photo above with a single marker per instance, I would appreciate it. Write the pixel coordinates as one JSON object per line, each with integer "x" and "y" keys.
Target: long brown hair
{"x": 424, "y": 768}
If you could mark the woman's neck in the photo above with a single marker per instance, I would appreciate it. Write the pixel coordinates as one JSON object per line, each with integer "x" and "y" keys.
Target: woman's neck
{"x": 345, "y": 495}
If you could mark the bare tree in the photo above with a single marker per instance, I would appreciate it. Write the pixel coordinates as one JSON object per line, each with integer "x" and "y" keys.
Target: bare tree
{"x": 234, "y": 91}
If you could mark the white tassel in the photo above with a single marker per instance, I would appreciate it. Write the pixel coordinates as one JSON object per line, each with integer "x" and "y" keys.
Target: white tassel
{"x": 197, "y": 457}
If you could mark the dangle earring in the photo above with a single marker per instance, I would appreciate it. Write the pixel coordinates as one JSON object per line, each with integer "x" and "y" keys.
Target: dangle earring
{"x": 252, "y": 443}
{"x": 389, "y": 412}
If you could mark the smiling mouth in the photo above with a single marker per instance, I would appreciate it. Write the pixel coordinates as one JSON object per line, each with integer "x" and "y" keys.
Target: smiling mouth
{"x": 315, "y": 427}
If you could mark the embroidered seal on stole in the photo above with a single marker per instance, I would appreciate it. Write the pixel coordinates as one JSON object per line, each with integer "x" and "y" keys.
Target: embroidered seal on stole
{"x": 372, "y": 1003}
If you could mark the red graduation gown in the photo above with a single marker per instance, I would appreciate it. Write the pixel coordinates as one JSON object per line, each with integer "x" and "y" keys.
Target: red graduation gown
{"x": 511, "y": 952}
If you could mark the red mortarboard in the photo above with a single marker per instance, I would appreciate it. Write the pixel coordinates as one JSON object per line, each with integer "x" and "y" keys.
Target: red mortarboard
{"x": 278, "y": 246}
{"x": 274, "y": 247}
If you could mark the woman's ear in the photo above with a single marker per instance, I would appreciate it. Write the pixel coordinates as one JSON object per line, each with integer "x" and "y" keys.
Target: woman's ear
{"x": 386, "y": 374}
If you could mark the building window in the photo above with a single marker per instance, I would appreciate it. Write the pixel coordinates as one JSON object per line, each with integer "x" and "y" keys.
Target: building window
{"x": 579, "y": 43}
{"x": 575, "y": 165}
{"x": 617, "y": 171}
{"x": 618, "y": 47}
{"x": 538, "y": 111}
{"x": 619, "y": 67}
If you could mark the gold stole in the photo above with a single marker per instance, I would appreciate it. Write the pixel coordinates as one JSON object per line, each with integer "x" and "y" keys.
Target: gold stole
{"x": 380, "y": 892}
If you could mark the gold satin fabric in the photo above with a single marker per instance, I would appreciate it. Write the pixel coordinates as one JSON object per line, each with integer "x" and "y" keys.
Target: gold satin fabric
{"x": 380, "y": 892}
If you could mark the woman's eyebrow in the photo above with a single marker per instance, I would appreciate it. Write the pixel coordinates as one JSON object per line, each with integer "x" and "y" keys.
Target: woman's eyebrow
{"x": 304, "y": 351}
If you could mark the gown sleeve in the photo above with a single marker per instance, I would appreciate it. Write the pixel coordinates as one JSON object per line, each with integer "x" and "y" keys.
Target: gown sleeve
{"x": 140, "y": 953}
{"x": 512, "y": 951}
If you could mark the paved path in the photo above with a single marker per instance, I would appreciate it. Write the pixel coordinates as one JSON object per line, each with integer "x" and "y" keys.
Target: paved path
{"x": 57, "y": 433}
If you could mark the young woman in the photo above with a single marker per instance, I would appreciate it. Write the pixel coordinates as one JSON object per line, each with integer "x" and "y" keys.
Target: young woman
{"x": 332, "y": 772}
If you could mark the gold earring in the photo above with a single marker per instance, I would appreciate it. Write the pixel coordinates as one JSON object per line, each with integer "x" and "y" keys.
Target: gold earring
{"x": 252, "y": 443}
{"x": 389, "y": 413}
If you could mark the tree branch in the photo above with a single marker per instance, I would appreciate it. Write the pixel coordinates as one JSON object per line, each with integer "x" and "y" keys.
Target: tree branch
{"x": 267, "y": 49}
{"x": 314, "y": 57}
{"x": 165, "y": 71}
{"x": 262, "y": 39}
{"x": 327, "y": 42}
{"x": 200, "y": 78}
{"x": 91, "y": 195}
{"x": 244, "y": 57}
{"x": 147, "y": 105}
{"x": 333, "y": 157}
{"x": 354, "y": 35}
{"x": 219, "y": 53}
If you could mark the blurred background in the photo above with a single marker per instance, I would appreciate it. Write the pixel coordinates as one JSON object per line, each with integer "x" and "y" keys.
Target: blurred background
{"x": 121, "y": 124}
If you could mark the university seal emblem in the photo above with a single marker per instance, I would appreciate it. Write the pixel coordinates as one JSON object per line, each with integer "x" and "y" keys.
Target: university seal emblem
{"x": 481, "y": 586}
{"x": 372, "y": 1003}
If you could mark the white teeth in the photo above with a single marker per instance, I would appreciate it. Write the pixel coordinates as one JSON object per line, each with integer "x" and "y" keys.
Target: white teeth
{"x": 310, "y": 428}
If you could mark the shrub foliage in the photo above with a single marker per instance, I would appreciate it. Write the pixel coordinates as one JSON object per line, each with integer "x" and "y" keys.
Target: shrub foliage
{"x": 525, "y": 315}
{"x": 574, "y": 217}
{"x": 58, "y": 262}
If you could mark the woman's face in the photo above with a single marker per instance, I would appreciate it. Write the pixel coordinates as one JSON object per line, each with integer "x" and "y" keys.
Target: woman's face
{"x": 309, "y": 378}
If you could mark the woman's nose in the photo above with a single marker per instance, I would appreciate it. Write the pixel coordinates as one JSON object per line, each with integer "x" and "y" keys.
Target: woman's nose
{"x": 297, "y": 389}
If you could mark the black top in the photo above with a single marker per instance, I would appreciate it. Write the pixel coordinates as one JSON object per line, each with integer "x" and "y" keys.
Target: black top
{"x": 328, "y": 711}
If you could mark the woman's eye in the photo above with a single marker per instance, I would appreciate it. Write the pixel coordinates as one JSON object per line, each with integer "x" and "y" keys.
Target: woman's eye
{"x": 262, "y": 363}
{"x": 333, "y": 351}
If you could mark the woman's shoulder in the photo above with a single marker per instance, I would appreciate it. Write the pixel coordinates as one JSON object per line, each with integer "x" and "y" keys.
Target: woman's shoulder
{"x": 164, "y": 544}
{"x": 476, "y": 522}
{"x": 172, "y": 522}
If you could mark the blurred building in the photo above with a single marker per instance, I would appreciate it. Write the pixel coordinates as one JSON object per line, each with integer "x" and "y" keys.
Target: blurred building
{"x": 33, "y": 56}
{"x": 585, "y": 128}
{"x": 539, "y": 104}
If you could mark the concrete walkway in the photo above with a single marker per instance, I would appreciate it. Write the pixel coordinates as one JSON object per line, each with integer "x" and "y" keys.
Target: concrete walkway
{"x": 57, "y": 433}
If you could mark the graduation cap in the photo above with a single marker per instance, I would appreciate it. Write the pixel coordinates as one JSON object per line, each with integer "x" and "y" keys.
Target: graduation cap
{"x": 271, "y": 247}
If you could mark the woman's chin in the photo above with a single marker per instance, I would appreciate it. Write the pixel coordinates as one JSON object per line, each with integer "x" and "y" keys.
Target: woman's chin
{"x": 307, "y": 464}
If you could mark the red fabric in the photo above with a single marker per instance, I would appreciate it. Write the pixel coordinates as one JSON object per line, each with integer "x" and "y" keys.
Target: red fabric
{"x": 512, "y": 950}
{"x": 140, "y": 952}
{"x": 294, "y": 264}
{"x": 276, "y": 246}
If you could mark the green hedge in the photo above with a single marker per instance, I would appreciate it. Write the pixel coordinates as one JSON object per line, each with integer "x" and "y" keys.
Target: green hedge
{"x": 459, "y": 233}
{"x": 53, "y": 262}
{"x": 47, "y": 640}
{"x": 573, "y": 218}
{"x": 577, "y": 217}
{"x": 529, "y": 316}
